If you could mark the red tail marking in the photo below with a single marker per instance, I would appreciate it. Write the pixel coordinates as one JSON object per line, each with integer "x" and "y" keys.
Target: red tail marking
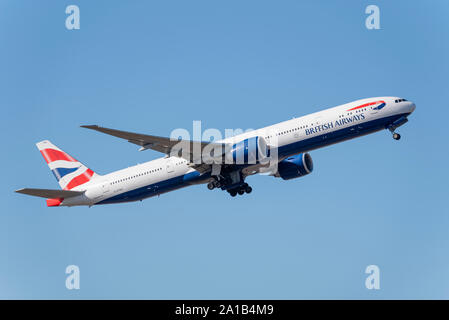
{"x": 51, "y": 155}
{"x": 79, "y": 180}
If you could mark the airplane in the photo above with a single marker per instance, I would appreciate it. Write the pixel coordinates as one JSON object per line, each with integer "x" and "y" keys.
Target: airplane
{"x": 281, "y": 150}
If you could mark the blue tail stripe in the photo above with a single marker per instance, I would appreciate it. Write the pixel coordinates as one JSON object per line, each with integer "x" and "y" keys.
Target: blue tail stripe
{"x": 61, "y": 172}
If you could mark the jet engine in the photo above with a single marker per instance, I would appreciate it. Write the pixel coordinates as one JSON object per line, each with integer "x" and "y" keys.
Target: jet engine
{"x": 294, "y": 167}
{"x": 253, "y": 150}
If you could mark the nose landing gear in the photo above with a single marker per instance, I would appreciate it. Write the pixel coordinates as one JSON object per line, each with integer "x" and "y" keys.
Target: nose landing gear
{"x": 392, "y": 127}
{"x": 396, "y": 136}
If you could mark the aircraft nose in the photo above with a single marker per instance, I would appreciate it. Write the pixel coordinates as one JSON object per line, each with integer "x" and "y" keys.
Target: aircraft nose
{"x": 412, "y": 107}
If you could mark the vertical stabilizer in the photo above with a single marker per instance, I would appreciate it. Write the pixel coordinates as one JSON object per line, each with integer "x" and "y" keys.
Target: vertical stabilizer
{"x": 69, "y": 172}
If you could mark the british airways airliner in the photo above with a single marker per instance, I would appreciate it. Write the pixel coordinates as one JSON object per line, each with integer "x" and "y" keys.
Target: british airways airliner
{"x": 229, "y": 161}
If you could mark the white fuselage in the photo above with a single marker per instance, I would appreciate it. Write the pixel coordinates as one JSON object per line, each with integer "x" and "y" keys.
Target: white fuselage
{"x": 293, "y": 136}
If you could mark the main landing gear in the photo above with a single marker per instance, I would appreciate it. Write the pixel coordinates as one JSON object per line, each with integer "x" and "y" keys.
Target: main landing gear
{"x": 244, "y": 188}
{"x": 211, "y": 185}
{"x": 230, "y": 180}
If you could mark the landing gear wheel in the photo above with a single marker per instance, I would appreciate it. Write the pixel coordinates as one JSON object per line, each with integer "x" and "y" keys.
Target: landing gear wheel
{"x": 396, "y": 136}
{"x": 248, "y": 189}
{"x": 241, "y": 192}
{"x": 233, "y": 193}
{"x": 211, "y": 186}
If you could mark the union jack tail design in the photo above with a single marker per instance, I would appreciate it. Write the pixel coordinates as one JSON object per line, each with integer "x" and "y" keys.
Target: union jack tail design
{"x": 69, "y": 172}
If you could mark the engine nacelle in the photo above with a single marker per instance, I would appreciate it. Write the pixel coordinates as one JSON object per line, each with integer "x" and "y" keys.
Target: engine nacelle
{"x": 295, "y": 166}
{"x": 249, "y": 151}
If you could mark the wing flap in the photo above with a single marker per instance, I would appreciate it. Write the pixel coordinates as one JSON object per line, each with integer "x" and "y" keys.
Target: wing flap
{"x": 49, "y": 193}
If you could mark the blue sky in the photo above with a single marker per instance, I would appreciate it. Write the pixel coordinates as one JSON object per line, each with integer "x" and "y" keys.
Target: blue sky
{"x": 155, "y": 66}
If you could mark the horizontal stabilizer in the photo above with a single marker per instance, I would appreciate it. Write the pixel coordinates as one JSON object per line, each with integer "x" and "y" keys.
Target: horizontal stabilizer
{"x": 49, "y": 193}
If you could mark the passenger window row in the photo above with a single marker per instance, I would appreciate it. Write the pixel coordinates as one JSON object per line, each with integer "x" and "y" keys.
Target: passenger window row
{"x": 311, "y": 125}
{"x": 291, "y": 130}
{"x": 356, "y": 111}
{"x": 135, "y": 176}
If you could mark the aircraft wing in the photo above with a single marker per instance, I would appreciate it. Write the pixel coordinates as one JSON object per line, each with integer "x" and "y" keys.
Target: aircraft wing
{"x": 161, "y": 144}
{"x": 49, "y": 193}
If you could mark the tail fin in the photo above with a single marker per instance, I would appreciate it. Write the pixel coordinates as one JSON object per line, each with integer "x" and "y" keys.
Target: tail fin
{"x": 69, "y": 172}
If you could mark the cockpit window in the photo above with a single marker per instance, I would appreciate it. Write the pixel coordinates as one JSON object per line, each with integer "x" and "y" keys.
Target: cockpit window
{"x": 399, "y": 100}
